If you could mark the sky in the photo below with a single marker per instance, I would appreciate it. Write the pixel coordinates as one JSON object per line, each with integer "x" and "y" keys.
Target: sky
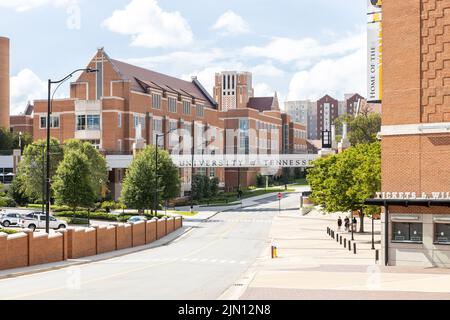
{"x": 302, "y": 49}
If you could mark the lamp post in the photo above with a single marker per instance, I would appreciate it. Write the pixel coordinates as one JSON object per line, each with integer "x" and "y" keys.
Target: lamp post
{"x": 49, "y": 111}
{"x": 373, "y": 232}
{"x": 156, "y": 167}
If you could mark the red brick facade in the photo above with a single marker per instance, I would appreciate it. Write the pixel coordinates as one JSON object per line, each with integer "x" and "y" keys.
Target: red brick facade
{"x": 130, "y": 98}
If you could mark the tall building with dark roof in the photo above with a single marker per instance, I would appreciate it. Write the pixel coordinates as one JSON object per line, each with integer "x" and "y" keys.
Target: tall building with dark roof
{"x": 122, "y": 107}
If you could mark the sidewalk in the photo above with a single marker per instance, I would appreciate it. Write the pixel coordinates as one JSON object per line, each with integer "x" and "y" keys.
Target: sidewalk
{"x": 312, "y": 265}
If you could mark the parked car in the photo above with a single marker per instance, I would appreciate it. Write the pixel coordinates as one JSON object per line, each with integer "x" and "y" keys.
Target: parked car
{"x": 136, "y": 219}
{"x": 39, "y": 222}
{"x": 12, "y": 220}
{"x": 33, "y": 215}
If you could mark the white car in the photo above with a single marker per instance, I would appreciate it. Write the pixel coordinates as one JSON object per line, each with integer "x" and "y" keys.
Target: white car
{"x": 39, "y": 222}
{"x": 11, "y": 220}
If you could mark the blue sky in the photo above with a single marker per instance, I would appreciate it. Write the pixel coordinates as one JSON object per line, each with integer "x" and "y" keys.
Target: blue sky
{"x": 299, "y": 48}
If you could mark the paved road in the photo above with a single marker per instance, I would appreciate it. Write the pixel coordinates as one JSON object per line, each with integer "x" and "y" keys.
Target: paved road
{"x": 200, "y": 265}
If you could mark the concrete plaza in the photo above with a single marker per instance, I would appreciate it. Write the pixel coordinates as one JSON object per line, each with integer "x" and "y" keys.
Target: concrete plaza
{"x": 312, "y": 265}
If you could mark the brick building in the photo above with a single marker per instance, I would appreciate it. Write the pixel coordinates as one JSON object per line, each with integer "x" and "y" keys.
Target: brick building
{"x": 415, "y": 133}
{"x": 123, "y": 106}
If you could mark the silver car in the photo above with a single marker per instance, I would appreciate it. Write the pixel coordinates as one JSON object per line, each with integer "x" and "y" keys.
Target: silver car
{"x": 12, "y": 220}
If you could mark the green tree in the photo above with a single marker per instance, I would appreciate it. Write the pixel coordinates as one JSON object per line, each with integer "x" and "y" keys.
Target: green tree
{"x": 139, "y": 185}
{"x": 6, "y": 141}
{"x": 97, "y": 164}
{"x": 32, "y": 168}
{"x": 361, "y": 129}
{"x": 12, "y": 140}
{"x": 214, "y": 187}
{"x": 16, "y": 191}
{"x": 342, "y": 182}
{"x": 73, "y": 183}
{"x": 198, "y": 187}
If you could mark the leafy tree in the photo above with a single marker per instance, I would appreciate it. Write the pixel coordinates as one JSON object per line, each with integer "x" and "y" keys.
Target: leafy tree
{"x": 198, "y": 187}
{"x": 10, "y": 140}
{"x": 342, "y": 182}
{"x": 32, "y": 168}
{"x": 73, "y": 182}
{"x": 16, "y": 191}
{"x": 361, "y": 129}
{"x": 97, "y": 163}
{"x": 214, "y": 186}
{"x": 6, "y": 141}
{"x": 139, "y": 185}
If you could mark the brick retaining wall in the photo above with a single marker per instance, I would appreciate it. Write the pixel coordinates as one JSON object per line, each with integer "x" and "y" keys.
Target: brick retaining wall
{"x": 28, "y": 248}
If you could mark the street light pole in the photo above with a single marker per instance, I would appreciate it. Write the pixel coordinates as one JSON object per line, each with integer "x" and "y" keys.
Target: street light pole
{"x": 373, "y": 232}
{"x": 49, "y": 111}
{"x": 192, "y": 166}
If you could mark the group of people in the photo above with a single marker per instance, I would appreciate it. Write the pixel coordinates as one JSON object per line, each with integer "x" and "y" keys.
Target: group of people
{"x": 347, "y": 223}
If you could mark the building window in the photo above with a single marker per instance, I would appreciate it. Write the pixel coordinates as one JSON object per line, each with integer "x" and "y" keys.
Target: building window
{"x": 81, "y": 122}
{"x": 156, "y": 101}
{"x": 172, "y": 105}
{"x": 200, "y": 110}
{"x": 407, "y": 232}
{"x": 93, "y": 122}
{"x": 244, "y": 138}
{"x": 157, "y": 125}
{"x": 442, "y": 233}
{"x": 119, "y": 120}
{"x": 142, "y": 122}
{"x": 136, "y": 121}
{"x": 186, "y": 107}
{"x": 54, "y": 122}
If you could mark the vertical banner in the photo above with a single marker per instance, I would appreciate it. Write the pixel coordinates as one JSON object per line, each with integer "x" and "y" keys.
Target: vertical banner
{"x": 375, "y": 51}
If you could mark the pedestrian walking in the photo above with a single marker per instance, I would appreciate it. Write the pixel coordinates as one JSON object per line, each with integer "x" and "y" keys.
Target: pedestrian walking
{"x": 347, "y": 223}
{"x": 355, "y": 223}
{"x": 339, "y": 222}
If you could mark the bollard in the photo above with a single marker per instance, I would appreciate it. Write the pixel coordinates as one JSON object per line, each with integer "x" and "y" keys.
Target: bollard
{"x": 337, "y": 238}
{"x": 274, "y": 252}
{"x": 328, "y": 230}
{"x": 349, "y": 245}
{"x": 377, "y": 256}
{"x": 345, "y": 243}
{"x": 340, "y": 241}
{"x": 354, "y": 248}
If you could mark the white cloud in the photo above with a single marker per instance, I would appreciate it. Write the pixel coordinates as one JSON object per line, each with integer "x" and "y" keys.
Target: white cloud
{"x": 331, "y": 76}
{"x": 231, "y": 23}
{"x": 24, "y": 5}
{"x": 267, "y": 70}
{"x": 288, "y": 50}
{"x": 26, "y": 86}
{"x": 262, "y": 89}
{"x": 150, "y": 26}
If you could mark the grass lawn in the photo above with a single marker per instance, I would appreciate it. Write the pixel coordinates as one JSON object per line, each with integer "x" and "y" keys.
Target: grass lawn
{"x": 183, "y": 213}
{"x": 231, "y": 199}
{"x": 300, "y": 182}
{"x": 8, "y": 231}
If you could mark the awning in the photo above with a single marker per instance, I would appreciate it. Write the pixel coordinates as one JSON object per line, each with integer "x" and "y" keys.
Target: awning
{"x": 408, "y": 203}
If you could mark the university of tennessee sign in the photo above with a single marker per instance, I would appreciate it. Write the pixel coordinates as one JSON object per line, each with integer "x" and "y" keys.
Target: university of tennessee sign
{"x": 245, "y": 161}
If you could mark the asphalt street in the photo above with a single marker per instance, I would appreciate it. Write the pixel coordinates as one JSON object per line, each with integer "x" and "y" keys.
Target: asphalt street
{"x": 202, "y": 264}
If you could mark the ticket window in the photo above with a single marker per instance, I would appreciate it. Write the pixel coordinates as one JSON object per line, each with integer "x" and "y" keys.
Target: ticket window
{"x": 407, "y": 232}
{"x": 442, "y": 233}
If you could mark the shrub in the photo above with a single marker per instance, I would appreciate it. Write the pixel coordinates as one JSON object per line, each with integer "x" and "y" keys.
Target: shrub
{"x": 87, "y": 215}
{"x": 7, "y": 202}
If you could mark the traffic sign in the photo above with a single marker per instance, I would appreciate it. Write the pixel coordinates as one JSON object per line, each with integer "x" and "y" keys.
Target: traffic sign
{"x": 280, "y": 196}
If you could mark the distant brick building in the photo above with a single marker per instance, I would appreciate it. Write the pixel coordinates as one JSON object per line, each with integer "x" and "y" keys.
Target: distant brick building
{"x": 123, "y": 104}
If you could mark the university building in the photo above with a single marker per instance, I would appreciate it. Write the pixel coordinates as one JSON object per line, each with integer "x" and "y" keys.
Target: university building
{"x": 318, "y": 116}
{"x": 416, "y": 133}
{"x": 121, "y": 108}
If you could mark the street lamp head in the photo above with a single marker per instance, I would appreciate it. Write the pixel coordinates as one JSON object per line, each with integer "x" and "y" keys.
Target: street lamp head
{"x": 89, "y": 70}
